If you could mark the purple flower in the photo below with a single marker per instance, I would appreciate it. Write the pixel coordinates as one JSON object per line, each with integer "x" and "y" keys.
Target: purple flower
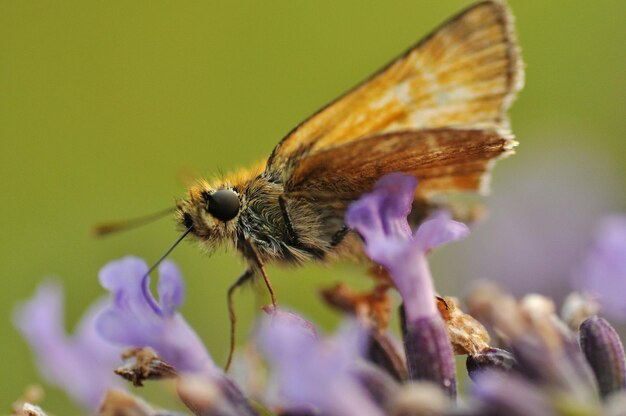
{"x": 603, "y": 271}
{"x": 380, "y": 218}
{"x": 135, "y": 318}
{"x": 82, "y": 364}
{"x": 313, "y": 372}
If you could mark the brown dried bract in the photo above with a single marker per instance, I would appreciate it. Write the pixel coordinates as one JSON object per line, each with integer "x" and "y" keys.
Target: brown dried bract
{"x": 121, "y": 403}
{"x": 144, "y": 364}
{"x": 533, "y": 317}
{"x": 373, "y": 306}
{"x": 494, "y": 308}
{"x": 467, "y": 335}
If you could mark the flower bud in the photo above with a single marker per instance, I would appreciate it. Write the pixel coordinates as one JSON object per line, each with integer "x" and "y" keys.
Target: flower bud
{"x": 383, "y": 352}
{"x": 605, "y": 353}
{"x": 489, "y": 358}
{"x": 378, "y": 383}
{"x": 429, "y": 353}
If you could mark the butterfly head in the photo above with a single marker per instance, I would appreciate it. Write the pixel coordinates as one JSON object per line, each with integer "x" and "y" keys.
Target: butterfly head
{"x": 210, "y": 212}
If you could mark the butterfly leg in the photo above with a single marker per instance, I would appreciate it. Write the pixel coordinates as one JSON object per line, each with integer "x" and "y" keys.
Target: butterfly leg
{"x": 245, "y": 277}
{"x": 256, "y": 266}
{"x": 252, "y": 254}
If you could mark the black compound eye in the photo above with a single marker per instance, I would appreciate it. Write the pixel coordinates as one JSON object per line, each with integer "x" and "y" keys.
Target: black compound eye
{"x": 223, "y": 204}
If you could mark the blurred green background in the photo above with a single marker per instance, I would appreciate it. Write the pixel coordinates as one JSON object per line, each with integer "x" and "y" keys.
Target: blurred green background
{"x": 104, "y": 106}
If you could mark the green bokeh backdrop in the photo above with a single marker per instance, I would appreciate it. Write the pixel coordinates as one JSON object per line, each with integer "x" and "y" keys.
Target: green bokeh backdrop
{"x": 104, "y": 105}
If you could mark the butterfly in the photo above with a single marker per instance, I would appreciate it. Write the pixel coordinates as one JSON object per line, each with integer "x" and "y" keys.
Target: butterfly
{"x": 437, "y": 112}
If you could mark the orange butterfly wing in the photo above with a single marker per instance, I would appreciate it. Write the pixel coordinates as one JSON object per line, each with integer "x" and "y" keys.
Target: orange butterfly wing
{"x": 462, "y": 76}
{"x": 443, "y": 159}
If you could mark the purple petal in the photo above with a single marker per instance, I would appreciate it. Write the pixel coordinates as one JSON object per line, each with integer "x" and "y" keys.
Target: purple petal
{"x": 170, "y": 288}
{"x": 292, "y": 319}
{"x": 411, "y": 275}
{"x": 313, "y": 372}
{"x": 130, "y": 319}
{"x": 126, "y": 279}
{"x": 383, "y": 212}
{"x": 81, "y": 365}
{"x": 350, "y": 342}
{"x": 112, "y": 325}
{"x": 116, "y": 274}
{"x": 283, "y": 334}
{"x": 603, "y": 272}
{"x": 397, "y": 191}
{"x": 440, "y": 229}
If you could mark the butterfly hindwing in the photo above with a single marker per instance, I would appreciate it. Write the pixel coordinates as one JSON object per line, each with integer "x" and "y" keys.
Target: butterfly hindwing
{"x": 444, "y": 159}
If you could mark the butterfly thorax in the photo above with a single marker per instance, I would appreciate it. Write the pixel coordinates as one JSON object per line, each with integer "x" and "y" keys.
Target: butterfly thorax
{"x": 282, "y": 228}
{"x": 263, "y": 223}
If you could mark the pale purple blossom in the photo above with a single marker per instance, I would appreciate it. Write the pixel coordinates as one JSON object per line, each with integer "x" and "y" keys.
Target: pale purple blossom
{"x": 134, "y": 318}
{"x": 602, "y": 273}
{"x": 81, "y": 364}
{"x": 313, "y": 372}
{"x": 380, "y": 217}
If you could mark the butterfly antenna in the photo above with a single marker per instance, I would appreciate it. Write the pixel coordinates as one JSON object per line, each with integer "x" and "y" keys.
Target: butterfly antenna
{"x": 115, "y": 226}
{"x": 167, "y": 253}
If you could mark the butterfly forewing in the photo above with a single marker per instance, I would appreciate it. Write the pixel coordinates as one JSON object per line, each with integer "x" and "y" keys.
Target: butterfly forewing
{"x": 463, "y": 76}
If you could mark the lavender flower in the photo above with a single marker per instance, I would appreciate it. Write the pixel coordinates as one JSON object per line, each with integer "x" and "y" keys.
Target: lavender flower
{"x": 380, "y": 218}
{"x": 541, "y": 370}
{"x": 551, "y": 375}
{"x": 82, "y": 364}
{"x": 313, "y": 372}
{"x": 603, "y": 271}
{"x": 135, "y": 318}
